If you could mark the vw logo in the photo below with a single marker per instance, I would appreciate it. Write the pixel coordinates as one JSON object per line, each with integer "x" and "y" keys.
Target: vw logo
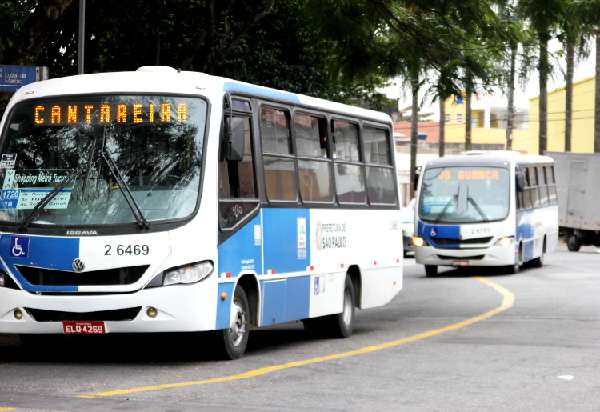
{"x": 432, "y": 232}
{"x": 78, "y": 265}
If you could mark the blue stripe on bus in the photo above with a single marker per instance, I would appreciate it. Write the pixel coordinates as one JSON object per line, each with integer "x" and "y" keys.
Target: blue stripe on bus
{"x": 525, "y": 234}
{"x": 242, "y": 251}
{"x": 298, "y": 297}
{"x": 267, "y": 93}
{"x": 45, "y": 252}
{"x": 430, "y": 232}
{"x": 285, "y": 300}
{"x": 282, "y": 251}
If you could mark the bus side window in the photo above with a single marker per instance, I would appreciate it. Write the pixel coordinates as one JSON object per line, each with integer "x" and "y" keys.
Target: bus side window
{"x": 278, "y": 159}
{"x": 543, "y": 186}
{"x": 237, "y": 188}
{"x": 551, "y": 185}
{"x": 533, "y": 187}
{"x": 349, "y": 171}
{"x": 314, "y": 163}
{"x": 380, "y": 173}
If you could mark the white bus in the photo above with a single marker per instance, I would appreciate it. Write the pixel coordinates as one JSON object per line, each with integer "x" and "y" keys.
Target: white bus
{"x": 496, "y": 208}
{"x": 168, "y": 201}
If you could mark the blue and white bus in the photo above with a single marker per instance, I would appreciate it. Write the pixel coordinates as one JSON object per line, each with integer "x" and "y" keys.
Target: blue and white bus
{"x": 496, "y": 208}
{"x": 167, "y": 201}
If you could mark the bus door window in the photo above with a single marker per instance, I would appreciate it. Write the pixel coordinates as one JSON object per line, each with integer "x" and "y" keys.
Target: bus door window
{"x": 237, "y": 182}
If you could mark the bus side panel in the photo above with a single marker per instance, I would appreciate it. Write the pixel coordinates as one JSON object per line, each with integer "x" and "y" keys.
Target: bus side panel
{"x": 285, "y": 288}
{"x": 286, "y": 244}
{"x": 285, "y": 299}
{"x": 368, "y": 239}
{"x": 525, "y": 233}
{"x": 241, "y": 253}
{"x": 535, "y": 224}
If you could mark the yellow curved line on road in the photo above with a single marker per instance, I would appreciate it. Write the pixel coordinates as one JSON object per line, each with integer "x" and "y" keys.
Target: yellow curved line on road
{"x": 508, "y": 300}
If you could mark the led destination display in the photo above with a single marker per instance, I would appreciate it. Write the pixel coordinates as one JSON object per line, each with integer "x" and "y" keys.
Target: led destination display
{"x": 104, "y": 113}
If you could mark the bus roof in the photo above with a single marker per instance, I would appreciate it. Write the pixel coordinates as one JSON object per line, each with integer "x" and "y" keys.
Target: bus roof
{"x": 162, "y": 79}
{"x": 492, "y": 157}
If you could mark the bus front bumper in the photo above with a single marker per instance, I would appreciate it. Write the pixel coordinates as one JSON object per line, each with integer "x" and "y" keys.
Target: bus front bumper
{"x": 179, "y": 308}
{"x": 490, "y": 256}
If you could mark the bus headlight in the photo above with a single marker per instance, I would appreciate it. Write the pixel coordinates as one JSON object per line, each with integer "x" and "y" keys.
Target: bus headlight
{"x": 419, "y": 241}
{"x": 192, "y": 273}
{"x": 505, "y": 241}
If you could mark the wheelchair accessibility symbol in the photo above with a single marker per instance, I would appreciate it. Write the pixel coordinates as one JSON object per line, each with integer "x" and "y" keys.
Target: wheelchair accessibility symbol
{"x": 19, "y": 246}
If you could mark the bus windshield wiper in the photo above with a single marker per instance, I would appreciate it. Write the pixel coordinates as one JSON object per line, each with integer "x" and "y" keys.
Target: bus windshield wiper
{"x": 443, "y": 211}
{"x": 478, "y": 208}
{"x": 124, "y": 187}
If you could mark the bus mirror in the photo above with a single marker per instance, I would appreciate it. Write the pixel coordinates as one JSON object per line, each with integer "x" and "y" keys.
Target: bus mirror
{"x": 520, "y": 181}
{"x": 234, "y": 142}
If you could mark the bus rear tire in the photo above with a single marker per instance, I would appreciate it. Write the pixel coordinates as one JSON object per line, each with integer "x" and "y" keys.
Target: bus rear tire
{"x": 233, "y": 341}
{"x": 573, "y": 243}
{"x": 431, "y": 271}
{"x": 341, "y": 324}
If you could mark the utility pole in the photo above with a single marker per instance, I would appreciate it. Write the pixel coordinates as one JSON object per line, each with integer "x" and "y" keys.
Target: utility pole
{"x": 81, "y": 38}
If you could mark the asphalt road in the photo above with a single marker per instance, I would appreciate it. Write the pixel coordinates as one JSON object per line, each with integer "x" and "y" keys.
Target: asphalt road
{"x": 540, "y": 354}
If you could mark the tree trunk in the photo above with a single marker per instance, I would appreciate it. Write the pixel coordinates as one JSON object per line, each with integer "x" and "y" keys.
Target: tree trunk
{"x": 597, "y": 97}
{"x": 468, "y": 114}
{"x": 414, "y": 124}
{"x": 569, "y": 92}
{"x": 442, "y": 136}
{"x": 543, "y": 77}
{"x": 510, "y": 119}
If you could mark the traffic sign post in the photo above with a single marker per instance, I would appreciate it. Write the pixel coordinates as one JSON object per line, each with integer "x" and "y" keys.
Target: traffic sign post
{"x": 13, "y": 77}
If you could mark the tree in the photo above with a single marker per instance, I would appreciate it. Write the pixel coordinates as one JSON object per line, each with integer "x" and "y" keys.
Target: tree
{"x": 590, "y": 13}
{"x": 543, "y": 16}
{"x": 514, "y": 34}
{"x": 574, "y": 31}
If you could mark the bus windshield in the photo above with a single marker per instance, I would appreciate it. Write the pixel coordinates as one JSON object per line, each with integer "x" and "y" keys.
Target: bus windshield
{"x": 90, "y": 151}
{"x": 464, "y": 194}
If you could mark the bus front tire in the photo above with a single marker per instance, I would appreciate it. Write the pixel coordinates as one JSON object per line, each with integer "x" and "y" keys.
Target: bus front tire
{"x": 431, "y": 271}
{"x": 573, "y": 243}
{"x": 235, "y": 339}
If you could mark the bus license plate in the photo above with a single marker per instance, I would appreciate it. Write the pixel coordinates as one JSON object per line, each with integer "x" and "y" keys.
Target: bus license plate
{"x": 77, "y": 327}
{"x": 460, "y": 263}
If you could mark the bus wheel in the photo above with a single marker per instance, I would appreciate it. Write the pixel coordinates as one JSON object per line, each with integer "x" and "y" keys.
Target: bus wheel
{"x": 431, "y": 271}
{"x": 235, "y": 339}
{"x": 342, "y": 323}
{"x": 573, "y": 243}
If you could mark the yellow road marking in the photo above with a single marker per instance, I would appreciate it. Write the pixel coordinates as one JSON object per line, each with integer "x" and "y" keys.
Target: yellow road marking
{"x": 508, "y": 300}
{"x": 6, "y": 408}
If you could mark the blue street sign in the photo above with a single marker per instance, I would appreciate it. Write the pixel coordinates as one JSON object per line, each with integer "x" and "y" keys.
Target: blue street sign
{"x": 13, "y": 77}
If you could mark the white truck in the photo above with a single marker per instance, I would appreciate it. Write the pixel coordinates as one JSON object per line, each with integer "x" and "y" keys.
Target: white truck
{"x": 578, "y": 189}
